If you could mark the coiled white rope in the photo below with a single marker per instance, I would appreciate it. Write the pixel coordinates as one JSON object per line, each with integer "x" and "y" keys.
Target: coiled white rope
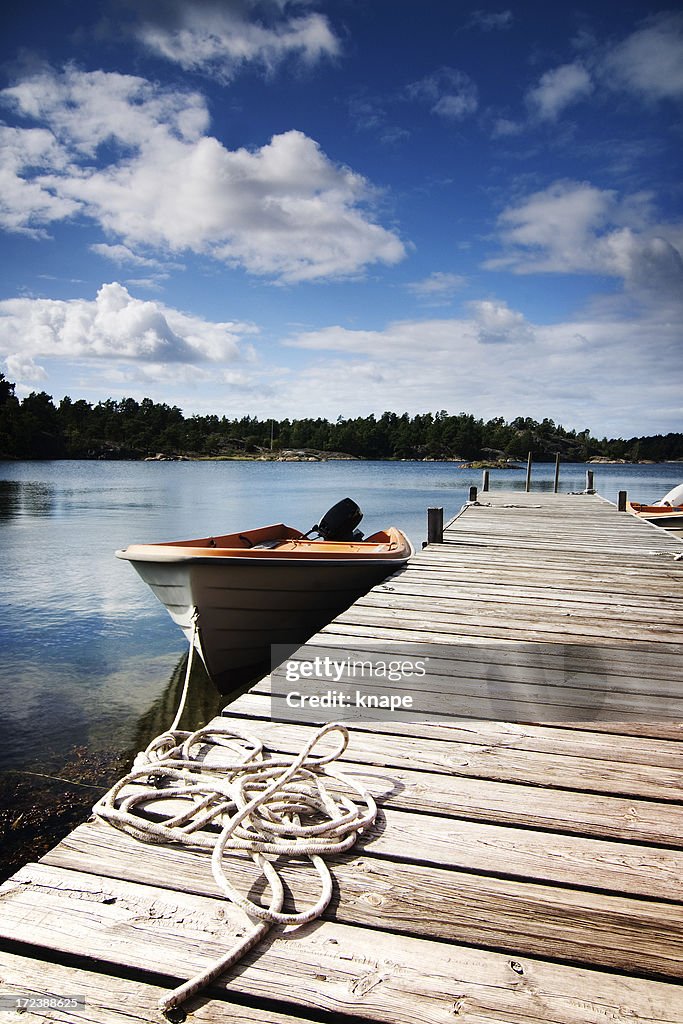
{"x": 239, "y": 798}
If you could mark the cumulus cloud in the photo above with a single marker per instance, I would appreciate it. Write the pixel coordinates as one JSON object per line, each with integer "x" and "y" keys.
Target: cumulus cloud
{"x": 558, "y": 89}
{"x": 649, "y": 62}
{"x": 575, "y": 227}
{"x": 113, "y": 326}
{"x": 26, "y": 206}
{"x": 450, "y": 93}
{"x": 220, "y": 36}
{"x": 24, "y": 369}
{"x": 497, "y": 324}
{"x": 284, "y": 210}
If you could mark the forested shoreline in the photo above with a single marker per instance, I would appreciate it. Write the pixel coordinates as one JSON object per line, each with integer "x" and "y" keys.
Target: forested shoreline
{"x": 37, "y": 428}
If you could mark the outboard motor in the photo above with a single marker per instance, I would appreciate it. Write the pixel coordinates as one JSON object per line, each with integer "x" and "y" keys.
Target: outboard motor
{"x": 340, "y": 522}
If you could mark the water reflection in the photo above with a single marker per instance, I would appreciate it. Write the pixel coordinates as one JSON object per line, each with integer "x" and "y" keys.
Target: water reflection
{"x": 203, "y": 703}
{"x": 26, "y": 498}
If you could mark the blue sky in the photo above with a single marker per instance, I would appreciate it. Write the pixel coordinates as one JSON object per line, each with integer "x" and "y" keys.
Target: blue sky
{"x": 299, "y": 208}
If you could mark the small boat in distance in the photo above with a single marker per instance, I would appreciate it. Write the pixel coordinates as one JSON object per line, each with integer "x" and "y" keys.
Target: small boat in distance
{"x": 666, "y": 512}
{"x": 271, "y": 585}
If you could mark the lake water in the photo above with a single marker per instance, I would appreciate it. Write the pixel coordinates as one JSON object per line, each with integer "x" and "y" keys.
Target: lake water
{"x": 90, "y": 657}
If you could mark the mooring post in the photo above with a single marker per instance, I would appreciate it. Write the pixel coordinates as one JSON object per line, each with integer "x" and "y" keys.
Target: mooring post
{"x": 557, "y": 473}
{"x": 435, "y": 526}
{"x": 473, "y": 494}
{"x": 485, "y": 481}
{"x": 589, "y": 481}
{"x": 621, "y": 503}
{"x": 528, "y": 472}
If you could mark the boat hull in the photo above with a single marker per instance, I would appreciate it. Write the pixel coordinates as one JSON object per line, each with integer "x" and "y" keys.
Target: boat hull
{"x": 246, "y": 606}
{"x": 661, "y": 515}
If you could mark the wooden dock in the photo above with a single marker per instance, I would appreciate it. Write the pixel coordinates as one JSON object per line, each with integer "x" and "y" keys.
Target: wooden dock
{"x": 516, "y": 873}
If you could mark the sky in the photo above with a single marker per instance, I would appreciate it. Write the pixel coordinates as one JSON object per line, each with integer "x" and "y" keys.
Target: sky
{"x": 288, "y": 208}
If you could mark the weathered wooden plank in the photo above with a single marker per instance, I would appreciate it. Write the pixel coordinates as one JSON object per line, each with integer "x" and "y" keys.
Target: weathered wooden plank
{"x": 404, "y": 836}
{"x": 429, "y": 625}
{"x": 582, "y": 743}
{"x": 489, "y": 988}
{"x": 108, "y": 999}
{"x": 628, "y": 607}
{"x": 506, "y": 802}
{"x": 451, "y": 697}
{"x": 483, "y": 761}
{"x": 653, "y": 730}
{"x": 576, "y": 545}
{"x": 530, "y": 589}
{"x": 468, "y": 561}
{"x": 455, "y": 612}
{"x": 159, "y": 929}
{"x": 634, "y": 665}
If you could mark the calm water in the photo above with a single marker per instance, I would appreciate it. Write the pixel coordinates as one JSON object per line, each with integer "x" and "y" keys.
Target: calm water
{"x": 89, "y": 656}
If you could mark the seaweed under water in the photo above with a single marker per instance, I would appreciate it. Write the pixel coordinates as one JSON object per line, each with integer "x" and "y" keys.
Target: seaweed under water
{"x": 38, "y": 809}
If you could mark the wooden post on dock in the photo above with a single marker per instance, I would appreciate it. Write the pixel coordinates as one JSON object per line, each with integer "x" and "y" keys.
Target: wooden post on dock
{"x": 473, "y": 494}
{"x": 589, "y": 482}
{"x": 485, "y": 481}
{"x": 621, "y": 503}
{"x": 528, "y": 472}
{"x": 557, "y": 474}
{"x": 435, "y": 526}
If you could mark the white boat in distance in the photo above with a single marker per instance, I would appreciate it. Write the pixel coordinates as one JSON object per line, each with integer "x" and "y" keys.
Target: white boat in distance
{"x": 272, "y": 585}
{"x": 667, "y": 512}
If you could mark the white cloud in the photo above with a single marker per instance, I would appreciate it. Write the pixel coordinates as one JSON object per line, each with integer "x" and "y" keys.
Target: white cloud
{"x": 497, "y": 324}
{"x": 115, "y": 326}
{"x": 586, "y": 371}
{"x": 558, "y": 89}
{"x": 121, "y": 254}
{"x": 451, "y": 93}
{"x": 438, "y": 288}
{"x": 490, "y": 21}
{"x": 220, "y": 37}
{"x": 83, "y": 109}
{"x": 503, "y": 127}
{"x": 649, "y": 62}
{"x": 284, "y": 210}
{"x": 574, "y": 227}
{"x": 22, "y": 368}
{"x": 25, "y": 205}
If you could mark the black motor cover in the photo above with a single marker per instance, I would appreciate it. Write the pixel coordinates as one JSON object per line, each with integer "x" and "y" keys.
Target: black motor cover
{"x": 340, "y": 522}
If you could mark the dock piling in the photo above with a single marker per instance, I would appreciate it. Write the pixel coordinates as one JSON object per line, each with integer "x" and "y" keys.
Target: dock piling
{"x": 621, "y": 502}
{"x": 435, "y": 525}
{"x": 528, "y": 473}
{"x": 485, "y": 481}
{"x": 556, "y": 486}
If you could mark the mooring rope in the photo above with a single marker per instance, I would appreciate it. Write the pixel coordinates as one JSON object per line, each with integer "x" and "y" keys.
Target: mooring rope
{"x": 236, "y": 797}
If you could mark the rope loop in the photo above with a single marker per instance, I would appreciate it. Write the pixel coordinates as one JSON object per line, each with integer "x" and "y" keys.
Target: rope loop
{"x": 228, "y": 794}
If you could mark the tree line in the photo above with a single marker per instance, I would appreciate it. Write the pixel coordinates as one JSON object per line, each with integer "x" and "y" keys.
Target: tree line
{"x": 36, "y": 428}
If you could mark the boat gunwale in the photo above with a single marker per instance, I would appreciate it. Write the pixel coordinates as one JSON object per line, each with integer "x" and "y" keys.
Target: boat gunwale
{"x": 655, "y": 511}
{"x": 395, "y": 551}
{"x": 266, "y": 558}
